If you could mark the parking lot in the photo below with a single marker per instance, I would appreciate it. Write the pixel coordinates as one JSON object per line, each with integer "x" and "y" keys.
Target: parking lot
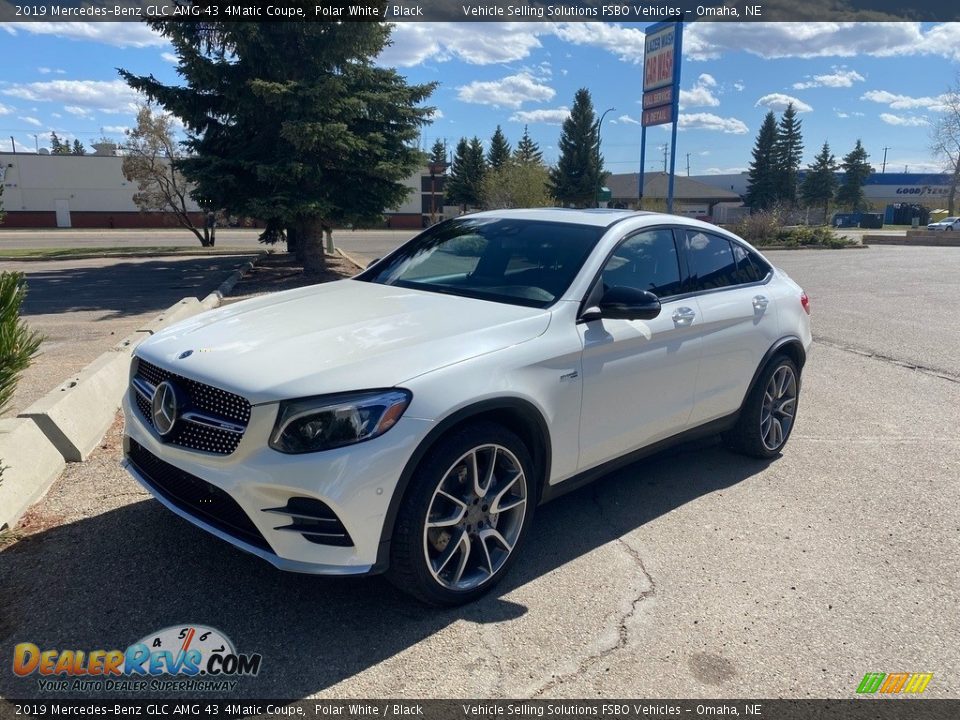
{"x": 694, "y": 574}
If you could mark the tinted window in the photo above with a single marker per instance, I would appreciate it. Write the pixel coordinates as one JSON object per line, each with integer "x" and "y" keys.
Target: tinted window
{"x": 750, "y": 268}
{"x": 711, "y": 260}
{"x": 524, "y": 262}
{"x": 647, "y": 261}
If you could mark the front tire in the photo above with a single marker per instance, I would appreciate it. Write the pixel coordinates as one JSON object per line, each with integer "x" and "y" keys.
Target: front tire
{"x": 463, "y": 516}
{"x": 770, "y": 411}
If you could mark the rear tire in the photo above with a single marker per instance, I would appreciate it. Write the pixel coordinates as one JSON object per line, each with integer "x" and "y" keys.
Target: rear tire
{"x": 464, "y": 516}
{"x": 769, "y": 412}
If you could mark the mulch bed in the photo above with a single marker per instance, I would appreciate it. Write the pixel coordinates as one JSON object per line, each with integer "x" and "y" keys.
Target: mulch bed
{"x": 281, "y": 271}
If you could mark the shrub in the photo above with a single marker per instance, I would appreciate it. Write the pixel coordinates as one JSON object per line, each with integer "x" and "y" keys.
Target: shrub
{"x": 18, "y": 343}
{"x": 759, "y": 228}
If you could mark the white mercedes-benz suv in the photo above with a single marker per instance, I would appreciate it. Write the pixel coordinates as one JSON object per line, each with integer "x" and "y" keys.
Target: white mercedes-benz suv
{"x": 409, "y": 420}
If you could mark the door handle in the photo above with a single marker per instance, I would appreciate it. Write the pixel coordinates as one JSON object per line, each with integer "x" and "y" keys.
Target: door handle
{"x": 683, "y": 316}
{"x": 760, "y": 303}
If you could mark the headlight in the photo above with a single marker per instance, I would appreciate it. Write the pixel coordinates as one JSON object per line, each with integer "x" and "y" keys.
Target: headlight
{"x": 332, "y": 421}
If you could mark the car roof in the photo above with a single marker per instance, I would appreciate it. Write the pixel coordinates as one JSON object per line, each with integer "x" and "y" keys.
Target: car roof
{"x": 599, "y": 217}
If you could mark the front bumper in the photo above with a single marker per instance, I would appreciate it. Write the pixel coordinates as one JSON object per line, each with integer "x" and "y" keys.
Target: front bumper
{"x": 356, "y": 482}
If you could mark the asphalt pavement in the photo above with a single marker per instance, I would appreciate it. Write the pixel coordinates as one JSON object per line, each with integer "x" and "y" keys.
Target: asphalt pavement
{"x": 698, "y": 573}
{"x": 85, "y": 307}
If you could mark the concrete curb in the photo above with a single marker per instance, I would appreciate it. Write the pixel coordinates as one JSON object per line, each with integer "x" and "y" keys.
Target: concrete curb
{"x": 66, "y": 424}
{"x": 355, "y": 261}
{"x": 31, "y": 464}
{"x": 941, "y": 239}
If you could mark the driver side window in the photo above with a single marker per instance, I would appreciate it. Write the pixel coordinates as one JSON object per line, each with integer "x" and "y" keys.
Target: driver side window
{"x": 645, "y": 261}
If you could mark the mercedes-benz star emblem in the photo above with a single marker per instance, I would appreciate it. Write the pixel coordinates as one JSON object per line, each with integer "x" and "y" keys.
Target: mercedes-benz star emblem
{"x": 165, "y": 408}
{"x": 185, "y": 354}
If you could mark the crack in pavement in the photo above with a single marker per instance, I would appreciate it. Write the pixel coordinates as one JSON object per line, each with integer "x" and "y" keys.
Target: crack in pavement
{"x": 925, "y": 369}
{"x": 622, "y": 631}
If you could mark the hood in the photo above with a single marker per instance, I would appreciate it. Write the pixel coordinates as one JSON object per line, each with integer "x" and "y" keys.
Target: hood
{"x": 336, "y": 337}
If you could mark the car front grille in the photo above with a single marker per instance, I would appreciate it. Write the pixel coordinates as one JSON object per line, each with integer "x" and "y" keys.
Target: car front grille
{"x": 197, "y": 497}
{"x": 217, "y": 418}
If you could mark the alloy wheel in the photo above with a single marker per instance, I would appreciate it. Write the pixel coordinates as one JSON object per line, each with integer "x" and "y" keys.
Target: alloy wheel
{"x": 779, "y": 407}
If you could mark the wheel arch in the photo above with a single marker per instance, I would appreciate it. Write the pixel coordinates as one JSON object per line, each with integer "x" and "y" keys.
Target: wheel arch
{"x": 519, "y": 416}
{"x": 791, "y": 346}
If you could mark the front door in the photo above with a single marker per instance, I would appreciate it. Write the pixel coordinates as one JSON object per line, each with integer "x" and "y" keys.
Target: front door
{"x": 63, "y": 213}
{"x": 639, "y": 376}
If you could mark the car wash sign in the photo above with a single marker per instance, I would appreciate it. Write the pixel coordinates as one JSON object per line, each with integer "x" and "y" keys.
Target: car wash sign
{"x": 661, "y": 62}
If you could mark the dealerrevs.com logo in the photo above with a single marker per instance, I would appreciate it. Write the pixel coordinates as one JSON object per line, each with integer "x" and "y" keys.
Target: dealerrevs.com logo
{"x": 894, "y": 683}
{"x": 179, "y": 658}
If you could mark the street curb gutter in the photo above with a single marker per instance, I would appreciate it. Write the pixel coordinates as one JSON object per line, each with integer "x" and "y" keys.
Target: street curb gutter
{"x": 216, "y": 297}
{"x": 68, "y": 423}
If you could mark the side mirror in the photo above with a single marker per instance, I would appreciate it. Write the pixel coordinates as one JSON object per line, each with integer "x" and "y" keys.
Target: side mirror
{"x": 624, "y": 303}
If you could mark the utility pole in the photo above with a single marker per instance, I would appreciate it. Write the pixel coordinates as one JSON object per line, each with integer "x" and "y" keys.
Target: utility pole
{"x": 883, "y": 166}
{"x": 13, "y": 145}
{"x": 906, "y": 169}
{"x": 688, "y": 164}
{"x": 666, "y": 149}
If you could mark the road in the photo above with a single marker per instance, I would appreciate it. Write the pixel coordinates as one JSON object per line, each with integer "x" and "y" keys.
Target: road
{"x": 696, "y": 574}
{"x": 85, "y": 307}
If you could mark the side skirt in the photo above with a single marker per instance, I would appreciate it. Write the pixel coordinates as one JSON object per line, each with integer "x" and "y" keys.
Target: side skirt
{"x": 714, "y": 427}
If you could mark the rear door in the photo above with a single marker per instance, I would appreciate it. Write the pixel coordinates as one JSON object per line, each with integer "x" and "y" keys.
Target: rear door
{"x": 738, "y": 319}
{"x": 639, "y": 375}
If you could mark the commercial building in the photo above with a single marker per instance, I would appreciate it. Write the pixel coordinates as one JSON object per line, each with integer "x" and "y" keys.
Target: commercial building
{"x": 90, "y": 191}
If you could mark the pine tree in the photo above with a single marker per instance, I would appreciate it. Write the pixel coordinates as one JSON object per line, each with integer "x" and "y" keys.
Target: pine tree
{"x": 856, "y": 170}
{"x": 820, "y": 183}
{"x": 788, "y": 151}
{"x": 292, "y": 123}
{"x": 577, "y": 175}
{"x": 499, "y": 154}
{"x": 58, "y": 147}
{"x": 762, "y": 178}
{"x": 465, "y": 184}
{"x": 78, "y": 148}
{"x": 438, "y": 154}
{"x": 527, "y": 151}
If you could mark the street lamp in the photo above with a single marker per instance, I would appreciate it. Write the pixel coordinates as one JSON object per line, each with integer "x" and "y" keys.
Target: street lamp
{"x": 599, "y": 174}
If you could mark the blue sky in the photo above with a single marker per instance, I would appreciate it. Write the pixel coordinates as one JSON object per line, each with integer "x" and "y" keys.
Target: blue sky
{"x": 881, "y": 82}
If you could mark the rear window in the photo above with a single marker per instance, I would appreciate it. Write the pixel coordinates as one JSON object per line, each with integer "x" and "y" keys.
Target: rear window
{"x": 711, "y": 260}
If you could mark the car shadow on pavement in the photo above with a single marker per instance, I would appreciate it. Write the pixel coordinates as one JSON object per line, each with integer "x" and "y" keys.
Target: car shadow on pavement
{"x": 124, "y": 288}
{"x": 107, "y": 581}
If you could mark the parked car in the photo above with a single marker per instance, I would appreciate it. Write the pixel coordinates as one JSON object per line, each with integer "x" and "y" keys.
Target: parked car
{"x": 950, "y": 223}
{"x": 409, "y": 420}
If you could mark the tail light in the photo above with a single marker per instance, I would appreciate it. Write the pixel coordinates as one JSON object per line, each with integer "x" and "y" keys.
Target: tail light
{"x": 805, "y": 301}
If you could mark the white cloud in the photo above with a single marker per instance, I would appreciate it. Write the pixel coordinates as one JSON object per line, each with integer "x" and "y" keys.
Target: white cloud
{"x": 78, "y": 111}
{"x": 778, "y": 102}
{"x": 701, "y": 94}
{"x": 5, "y": 109}
{"x": 30, "y": 120}
{"x": 511, "y": 91}
{"x": 118, "y": 34}
{"x": 909, "y": 121}
{"x": 115, "y": 129}
{"x": 48, "y": 71}
{"x": 708, "y": 41}
{"x": 109, "y": 96}
{"x": 475, "y": 43}
{"x": 437, "y": 114}
{"x": 724, "y": 171}
{"x": 739, "y": 86}
{"x": 22, "y": 147}
{"x": 842, "y": 115}
{"x": 56, "y": 115}
{"x": 628, "y": 120}
{"x": 549, "y": 117}
{"x": 170, "y": 57}
{"x": 625, "y": 43}
{"x": 839, "y": 78}
{"x": 905, "y": 102}
{"x": 709, "y": 121}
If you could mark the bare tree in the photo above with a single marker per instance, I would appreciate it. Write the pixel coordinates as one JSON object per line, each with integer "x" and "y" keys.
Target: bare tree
{"x": 946, "y": 140}
{"x": 151, "y": 162}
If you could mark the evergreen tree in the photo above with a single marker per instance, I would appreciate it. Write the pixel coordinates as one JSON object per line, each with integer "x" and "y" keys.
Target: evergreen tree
{"x": 578, "y": 173}
{"x": 856, "y": 170}
{"x": 527, "y": 151}
{"x": 78, "y": 148}
{"x": 762, "y": 177}
{"x": 292, "y": 123}
{"x": 788, "y": 151}
{"x": 57, "y": 146}
{"x": 465, "y": 184}
{"x": 820, "y": 183}
{"x": 438, "y": 153}
{"x": 499, "y": 154}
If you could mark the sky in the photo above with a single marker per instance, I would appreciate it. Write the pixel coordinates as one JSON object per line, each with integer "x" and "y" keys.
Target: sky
{"x": 880, "y": 82}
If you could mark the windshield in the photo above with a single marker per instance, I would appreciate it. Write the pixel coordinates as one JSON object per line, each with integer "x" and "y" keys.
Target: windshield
{"x": 522, "y": 262}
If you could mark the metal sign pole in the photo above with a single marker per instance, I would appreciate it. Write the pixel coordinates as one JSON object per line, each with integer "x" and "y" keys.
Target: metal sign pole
{"x": 643, "y": 153}
{"x": 678, "y": 55}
